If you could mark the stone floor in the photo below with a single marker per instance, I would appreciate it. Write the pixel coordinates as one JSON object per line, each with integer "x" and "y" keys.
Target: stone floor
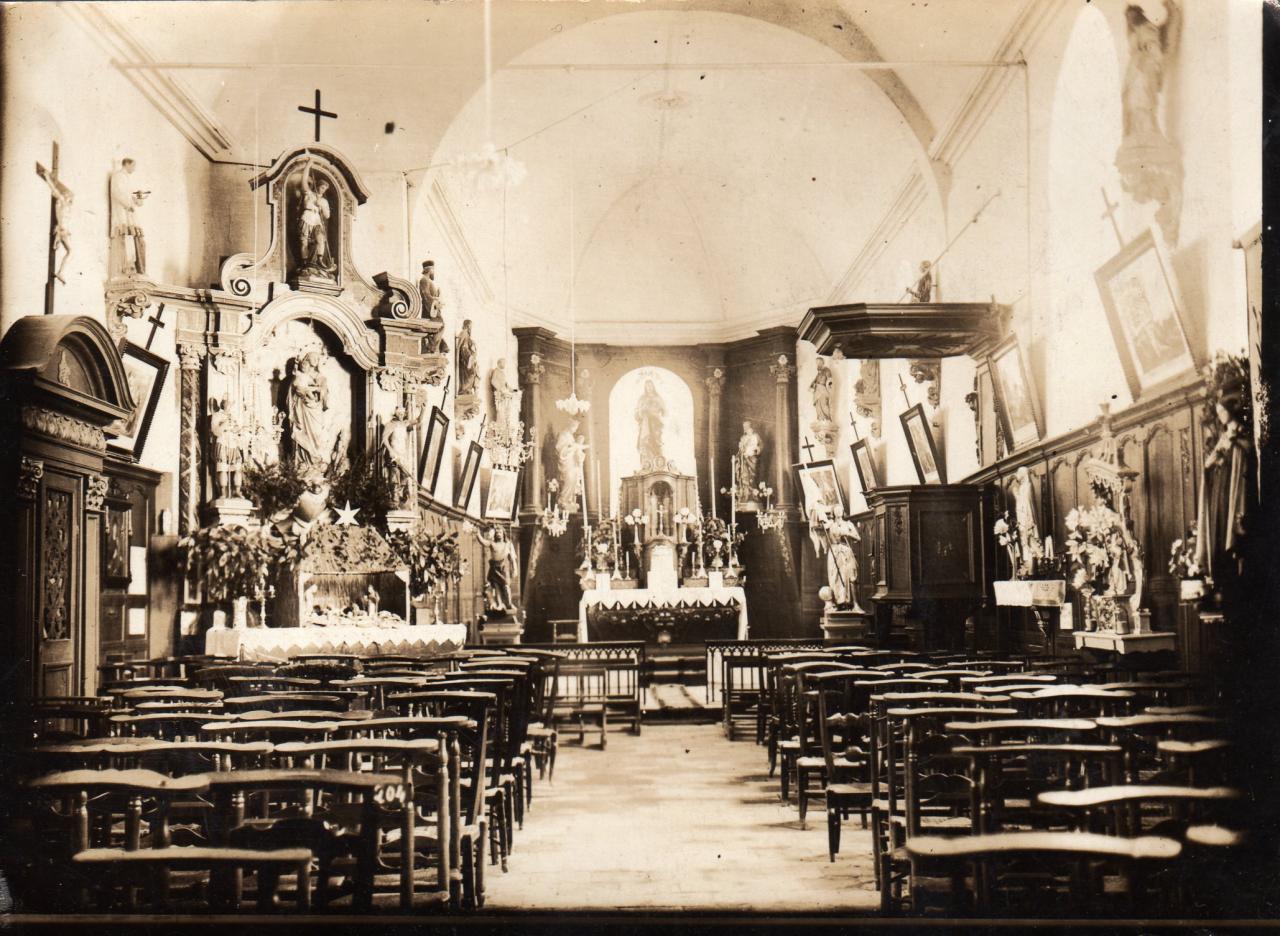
{"x": 678, "y": 818}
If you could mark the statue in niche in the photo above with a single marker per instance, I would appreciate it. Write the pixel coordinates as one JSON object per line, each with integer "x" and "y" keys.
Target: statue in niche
{"x": 822, "y": 386}
{"x": 1026, "y": 514}
{"x": 397, "y": 456}
{"x": 228, "y": 450}
{"x": 748, "y": 459}
{"x": 432, "y": 304}
{"x": 468, "y": 363}
{"x": 571, "y": 453}
{"x": 308, "y": 408}
{"x": 922, "y": 291}
{"x": 125, "y": 229}
{"x": 313, "y": 224}
{"x": 503, "y": 394}
{"x": 866, "y": 393}
{"x": 501, "y": 555}
{"x": 651, "y": 412}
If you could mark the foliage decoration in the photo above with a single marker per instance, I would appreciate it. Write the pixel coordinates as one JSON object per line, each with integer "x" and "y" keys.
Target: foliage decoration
{"x": 234, "y": 561}
{"x": 434, "y": 559}
{"x": 274, "y": 488}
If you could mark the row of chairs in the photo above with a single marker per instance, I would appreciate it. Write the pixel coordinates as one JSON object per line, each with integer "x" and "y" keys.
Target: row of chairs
{"x": 1011, "y": 784}
{"x": 340, "y": 778}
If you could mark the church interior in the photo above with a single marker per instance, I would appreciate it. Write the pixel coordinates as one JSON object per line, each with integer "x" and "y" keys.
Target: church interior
{"x": 478, "y": 459}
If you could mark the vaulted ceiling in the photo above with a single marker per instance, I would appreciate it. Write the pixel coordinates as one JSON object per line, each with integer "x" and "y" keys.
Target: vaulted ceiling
{"x": 690, "y": 170}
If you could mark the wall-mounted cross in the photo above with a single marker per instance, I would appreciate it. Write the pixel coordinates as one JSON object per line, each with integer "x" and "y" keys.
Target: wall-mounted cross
{"x": 318, "y": 113}
{"x": 857, "y": 437}
{"x": 808, "y": 449}
{"x": 155, "y": 324}
{"x": 1110, "y": 214}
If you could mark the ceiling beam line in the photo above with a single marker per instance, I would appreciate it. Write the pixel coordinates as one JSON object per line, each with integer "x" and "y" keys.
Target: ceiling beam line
{"x": 563, "y": 66}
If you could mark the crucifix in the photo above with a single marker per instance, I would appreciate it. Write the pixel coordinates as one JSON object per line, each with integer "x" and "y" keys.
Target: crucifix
{"x": 317, "y": 112}
{"x": 59, "y": 235}
{"x": 155, "y": 325}
{"x": 808, "y": 448}
{"x": 857, "y": 437}
{"x": 903, "y": 384}
{"x": 1110, "y": 214}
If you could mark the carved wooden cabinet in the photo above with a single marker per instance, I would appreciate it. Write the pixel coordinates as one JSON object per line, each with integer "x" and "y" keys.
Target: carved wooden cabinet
{"x": 927, "y": 551}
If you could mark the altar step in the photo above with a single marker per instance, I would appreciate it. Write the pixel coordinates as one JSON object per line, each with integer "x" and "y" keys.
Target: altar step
{"x": 677, "y": 702}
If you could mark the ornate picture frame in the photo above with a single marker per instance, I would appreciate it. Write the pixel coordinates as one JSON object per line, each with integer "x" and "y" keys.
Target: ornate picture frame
{"x": 504, "y": 489}
{"x": 820, "y": 484}
{"x": 470, "y": 472}
{"x": 1145, "y": 315}
{"x": 864, "y": 465}
{"x": 433, "y": 450}
{"x": 1017, "y": 402}
{"x": 924, "y": 449}
{"x": 145, "y": 372}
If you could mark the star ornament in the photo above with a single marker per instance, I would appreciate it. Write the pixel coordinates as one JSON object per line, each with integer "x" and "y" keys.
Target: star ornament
{"x": 347, "y": 515}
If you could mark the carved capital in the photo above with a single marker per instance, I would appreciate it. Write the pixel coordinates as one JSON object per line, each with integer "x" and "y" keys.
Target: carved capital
{"x": 531, "y": 373}
{"x": 190, "y": 356}
{"x": 783, "y": 370}
{"x": 30, "y": 471}
{"x": 128, "y": 297}
{"x": 226, "y": 361}
{"x": 95, "y": 492}
{"x": 715, "y": 382}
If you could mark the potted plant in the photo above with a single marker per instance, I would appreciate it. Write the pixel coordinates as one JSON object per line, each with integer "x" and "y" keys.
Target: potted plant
{"x": 235, "y": 563}
{"x": 434, "y": 560}
{"x": 1184, "y": 567}
{"x": 1105, "y": 557}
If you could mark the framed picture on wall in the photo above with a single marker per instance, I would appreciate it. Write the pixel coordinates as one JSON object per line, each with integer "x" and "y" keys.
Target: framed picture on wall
{"x": 145, "y": 373}
{"x": 1144, "y": 314}
{"x": 924, "y": 451}
{"x": 503, "y": 486}
{"x": 117, "y": 533}
{"x": 1016, "y": 399}
{"x": 470, "y": 471}
{"x": 864, "y": 464}
{"x": 820, "y": 485}
{"x": 433, "y": 450}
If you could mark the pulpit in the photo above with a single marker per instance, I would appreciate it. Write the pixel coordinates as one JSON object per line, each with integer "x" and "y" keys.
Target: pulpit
{"x": 927, "y": 554}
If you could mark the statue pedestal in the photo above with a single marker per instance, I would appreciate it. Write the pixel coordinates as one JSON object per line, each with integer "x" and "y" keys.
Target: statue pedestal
{"x": 232, "y": 511}
{"x": 840, "y": 627}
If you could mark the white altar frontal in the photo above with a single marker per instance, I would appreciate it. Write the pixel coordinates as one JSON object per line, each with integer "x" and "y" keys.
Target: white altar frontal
{"x": 278, "y": 644}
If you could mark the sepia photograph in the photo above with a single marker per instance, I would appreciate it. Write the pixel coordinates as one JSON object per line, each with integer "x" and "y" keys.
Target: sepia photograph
{"x": 688, "y": 465}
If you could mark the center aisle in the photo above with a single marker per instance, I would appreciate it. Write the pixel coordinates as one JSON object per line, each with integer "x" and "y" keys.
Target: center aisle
{"x": 678, "y": 818}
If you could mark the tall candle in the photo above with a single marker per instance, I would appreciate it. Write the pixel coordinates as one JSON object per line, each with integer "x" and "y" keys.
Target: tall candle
{"x": 599, "y": 511}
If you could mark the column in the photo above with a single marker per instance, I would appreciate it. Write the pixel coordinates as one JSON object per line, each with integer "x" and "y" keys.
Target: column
{"x": 784, "y": 375}
{"x": 530, "y": 376}
{"x": 715, "y": 386}
{"x": 190, "y": 358}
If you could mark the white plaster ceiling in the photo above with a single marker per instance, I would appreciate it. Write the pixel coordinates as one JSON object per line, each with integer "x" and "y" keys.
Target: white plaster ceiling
{"x": 724, "y": 160}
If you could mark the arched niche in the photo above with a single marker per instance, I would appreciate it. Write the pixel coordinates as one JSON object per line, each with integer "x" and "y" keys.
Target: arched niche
{"x": 677, "y": 419}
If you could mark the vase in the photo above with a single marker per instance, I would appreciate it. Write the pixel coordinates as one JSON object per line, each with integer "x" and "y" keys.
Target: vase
{"x": 1191, "y": 589}
{"x": 1087, "y": 619}
{"x": 240, "y": 612}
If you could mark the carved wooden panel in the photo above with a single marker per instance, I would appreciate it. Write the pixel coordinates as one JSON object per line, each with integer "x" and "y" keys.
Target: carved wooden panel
{"x": 56, "y": 564}
{"x": 946, "y": 556}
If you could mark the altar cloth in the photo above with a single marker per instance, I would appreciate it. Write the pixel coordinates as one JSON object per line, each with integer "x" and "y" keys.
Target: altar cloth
{"x": 705, "y": 597}
{"x": 280, "y": 643}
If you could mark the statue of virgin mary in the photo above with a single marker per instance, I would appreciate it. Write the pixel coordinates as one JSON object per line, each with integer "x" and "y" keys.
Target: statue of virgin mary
{"x": 651, "y": 411}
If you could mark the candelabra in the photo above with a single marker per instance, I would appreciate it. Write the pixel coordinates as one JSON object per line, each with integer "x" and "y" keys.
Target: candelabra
{"x": 506, "y": 443}
{"x": 573, "y": 406}
{"x": 769, "y": 519}
{"x": 555, "y": 519}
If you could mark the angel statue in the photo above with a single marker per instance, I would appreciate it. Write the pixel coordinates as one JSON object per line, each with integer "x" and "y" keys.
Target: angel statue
{"x": 313, "y": 223}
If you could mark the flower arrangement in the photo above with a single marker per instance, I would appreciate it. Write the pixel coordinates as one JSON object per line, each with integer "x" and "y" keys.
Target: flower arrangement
{"x": 601, "y": 548}
{"x": 718, "y": 542}
{"x": 433, "y": 559}
{"x": 1226, "y": 379}
{"x": 234, "y": 561}
{"x": 1101, "y": 549}
{"x": 1182, "y": 556}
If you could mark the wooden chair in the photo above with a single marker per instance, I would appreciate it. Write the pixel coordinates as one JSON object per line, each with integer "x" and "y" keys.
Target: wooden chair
{"x": 846, "y": 781}
{"x": 169, "y": 726}
{"x": 1067, "y": 864}
{"x": 1194, "y": 762}
{"x": 742, "y": 695}
{"x": 1139, "y": 735}
{"x": 1068, "y": 701}
{"x": 583, "y": 697}
{"x": 1126, "y": 809}
{"x": 287, "y": 702}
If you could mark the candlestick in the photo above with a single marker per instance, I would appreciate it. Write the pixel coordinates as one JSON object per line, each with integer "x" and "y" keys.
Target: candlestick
{"x": 599, "y": 511}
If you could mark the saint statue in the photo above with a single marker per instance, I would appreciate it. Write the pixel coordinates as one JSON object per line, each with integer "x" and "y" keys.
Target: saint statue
{"x": 1025, "y": 512}
{"x": 842, "y": 573}
{"x": 571, "y": 452}
{"x": 228, "y": 451}
{"x": 1227, "y": 494}
{"x": 313, "y": 224}
{"x": 501, "y": 553}
{"x": 651, "y": 410}
{"x": 503, "y": 394}
{"x": 821, "y": 386}
{"x": 922, "y": 291}
{"x": 308, "y": 404}
{"x": 748, "y": 459}
{"x": 397, "y": 456}
{"x": 432, "y": 304}
{"x": 125, "y": 229}
{"x": 1144, "y": 75}
{"x": 468, "y": 364}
